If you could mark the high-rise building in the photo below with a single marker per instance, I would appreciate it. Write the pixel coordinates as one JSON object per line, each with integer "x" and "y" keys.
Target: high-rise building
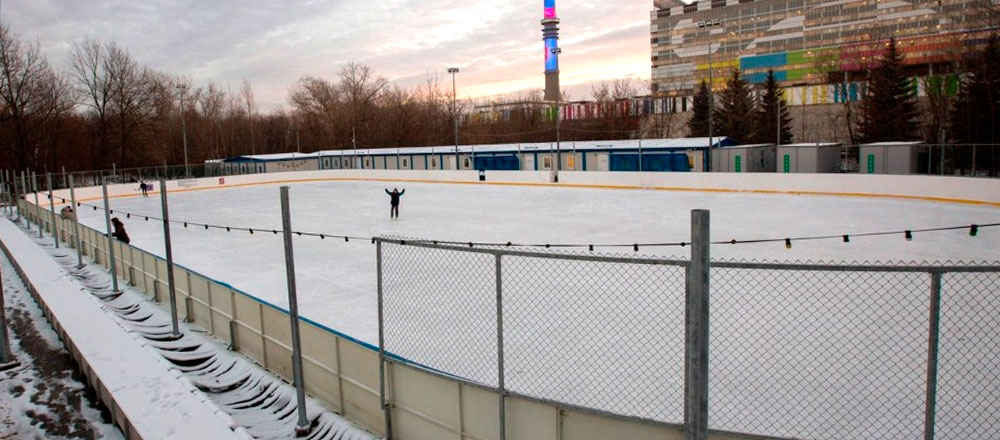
{"x": 810, "y": 43}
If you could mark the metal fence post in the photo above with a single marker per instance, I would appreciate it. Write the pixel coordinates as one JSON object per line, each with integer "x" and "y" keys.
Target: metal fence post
{"x": 52, "y": 211}
{"x": 696, "y": 343}
{"x": 111, "y": 241}
{"x": 933, "y": 331}
{"x": 171, "y": 286}
{"x": 76, "y": 224}
{"x": 942, "y": 160}
{"x": 973, "y": 172}
{"x": 24, "y": 190}
{"x": 7, "y": 360}
{"x": 38, "y": 205}
{"x": 501, "y": 388}
{"x": 302, "y": 427}
{"x": 381, "y": 343}
{"x": 6, "y": 192}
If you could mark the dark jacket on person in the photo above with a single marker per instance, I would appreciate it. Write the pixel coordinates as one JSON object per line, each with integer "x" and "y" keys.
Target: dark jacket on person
{"x": 394, "y": 196}
{"x": 119, "y": 233}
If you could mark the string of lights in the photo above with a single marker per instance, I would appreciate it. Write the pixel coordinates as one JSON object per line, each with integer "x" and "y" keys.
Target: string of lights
{"x": 907, "y": 234}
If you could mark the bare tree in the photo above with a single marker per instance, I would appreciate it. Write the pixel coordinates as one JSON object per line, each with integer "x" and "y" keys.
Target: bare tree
{"x": 249, "y": 103}
{"x": 318, "y": 102}
{"x": 32, "y": 94}
{"x": 95, "y": 85}
{"x": 361, "y": 87}
{"x": 212, "y": 103}
{"x": 133, "y": 96}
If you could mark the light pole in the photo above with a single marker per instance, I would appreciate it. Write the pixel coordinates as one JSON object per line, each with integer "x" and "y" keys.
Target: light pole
{"x": 454, "y": 110}
{"x": 558, "y": 156}
{"x": 711, "y": 91}
{"x": 182, "y": 88}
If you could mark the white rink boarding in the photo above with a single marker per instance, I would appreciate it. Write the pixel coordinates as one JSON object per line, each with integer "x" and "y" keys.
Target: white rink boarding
{"x": 428, "y": 405}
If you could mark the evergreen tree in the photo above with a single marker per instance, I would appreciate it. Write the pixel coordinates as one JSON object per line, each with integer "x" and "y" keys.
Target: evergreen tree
{"x": 975, "y": 118}
{"x": 889, "y": 111}
{"x": 698, "y": 124}
{"x": 769, "y": 112}
{"x": 736, "y": 113}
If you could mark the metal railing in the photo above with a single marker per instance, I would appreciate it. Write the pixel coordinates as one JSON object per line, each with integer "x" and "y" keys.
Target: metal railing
{"x": 797, "y": 350}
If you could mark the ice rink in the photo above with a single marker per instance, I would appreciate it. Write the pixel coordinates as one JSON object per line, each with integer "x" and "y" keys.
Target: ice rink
{"x": 337, "y": 280}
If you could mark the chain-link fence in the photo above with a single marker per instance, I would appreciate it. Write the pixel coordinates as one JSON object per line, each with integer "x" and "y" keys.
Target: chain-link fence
{"x": 797, "y": 350}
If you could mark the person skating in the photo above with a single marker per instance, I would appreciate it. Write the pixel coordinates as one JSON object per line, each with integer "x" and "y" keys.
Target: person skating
{"x": 144, "y": 187}
{"x": 394, "y": 202}
{"x": 119, "y": 233}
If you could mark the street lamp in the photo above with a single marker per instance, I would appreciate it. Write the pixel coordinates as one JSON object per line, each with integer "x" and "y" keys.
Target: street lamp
{"x": 182, "y": 88}
{"x": 711, "y": 92}
{"x": 454, "y": 112}
{"x": 558, "y": 155}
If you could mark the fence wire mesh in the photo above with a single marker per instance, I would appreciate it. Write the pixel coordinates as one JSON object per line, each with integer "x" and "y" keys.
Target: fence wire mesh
{"x": 818, "y": 354}
{"x": 606, "y": 334}
{"x": 796, "y": 350}
{"x": 440, "y": 310}
{"x": 968, "y": 392}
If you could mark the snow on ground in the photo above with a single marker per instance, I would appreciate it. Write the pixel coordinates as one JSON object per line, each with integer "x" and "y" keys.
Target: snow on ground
{"x": 589, "y": 337}
{"x": 44, "y": 397}
{"x": 261, "y": 405}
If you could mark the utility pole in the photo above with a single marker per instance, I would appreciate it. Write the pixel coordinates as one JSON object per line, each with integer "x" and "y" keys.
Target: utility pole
{"x": 454, "y": 110}
{"x": 182, "y": 88}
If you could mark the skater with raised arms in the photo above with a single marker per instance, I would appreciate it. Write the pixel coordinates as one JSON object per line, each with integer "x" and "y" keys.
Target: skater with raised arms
{"x": 394, "y": 201}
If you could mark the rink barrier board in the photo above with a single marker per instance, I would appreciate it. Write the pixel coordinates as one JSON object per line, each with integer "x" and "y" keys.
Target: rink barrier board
{"x": 342, "y": 372}
{"x": 947, "y": 189}
{"x": 118, "y": 414}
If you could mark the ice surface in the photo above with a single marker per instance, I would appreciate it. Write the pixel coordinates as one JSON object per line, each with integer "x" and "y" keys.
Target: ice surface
{"x": 336, "y": 280}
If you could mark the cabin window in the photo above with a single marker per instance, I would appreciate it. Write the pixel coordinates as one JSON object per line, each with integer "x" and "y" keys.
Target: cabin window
{"x": 467, "y": 162}
{"x": 434, "y": 162}
{"x": 405, "y": 163}
{"x": 546, "y": 162}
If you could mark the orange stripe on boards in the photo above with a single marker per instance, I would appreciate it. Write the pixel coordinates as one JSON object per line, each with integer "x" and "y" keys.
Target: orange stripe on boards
{"x": 575, "y": 185}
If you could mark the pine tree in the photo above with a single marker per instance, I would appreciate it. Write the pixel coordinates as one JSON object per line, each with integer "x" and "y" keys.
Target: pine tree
{"x": 698, "y": 124}
{"x": 889, "y": 111}
{"x": 736, "y": 112}
{"x": 975, "y": 118}
{"x": 769, "y": 112}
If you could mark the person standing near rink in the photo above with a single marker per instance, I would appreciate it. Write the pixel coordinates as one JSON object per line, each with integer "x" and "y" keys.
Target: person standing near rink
{"x": 119, "y": 233}
{"x": 394, "y": 201}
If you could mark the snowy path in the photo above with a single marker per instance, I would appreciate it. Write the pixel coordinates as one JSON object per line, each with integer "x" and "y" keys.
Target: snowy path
{"x": 44, "y": 397}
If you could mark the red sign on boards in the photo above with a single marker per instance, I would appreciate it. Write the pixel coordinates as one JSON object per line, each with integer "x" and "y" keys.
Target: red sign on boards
{"x": 222, "y": 181}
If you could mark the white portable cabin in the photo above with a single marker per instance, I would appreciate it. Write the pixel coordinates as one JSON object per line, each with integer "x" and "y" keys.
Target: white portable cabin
{"x": 808, "y": 158}
{"x": 754, "y": 158}
{"x": 272, "y": 163}
{"x": 890, "y": 157}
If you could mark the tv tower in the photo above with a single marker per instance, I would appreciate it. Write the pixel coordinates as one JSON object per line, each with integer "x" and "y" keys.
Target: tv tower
{"x": 550, "y": 35}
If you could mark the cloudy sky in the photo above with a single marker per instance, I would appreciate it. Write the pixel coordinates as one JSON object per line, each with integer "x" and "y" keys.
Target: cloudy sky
{"x": 496, "y": 43}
